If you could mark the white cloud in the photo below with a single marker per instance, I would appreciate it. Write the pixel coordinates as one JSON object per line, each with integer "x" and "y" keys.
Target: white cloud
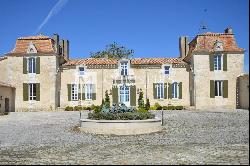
{"x": 56, "y": 9}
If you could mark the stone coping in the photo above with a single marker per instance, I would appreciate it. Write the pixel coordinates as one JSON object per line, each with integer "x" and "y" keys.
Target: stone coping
{"x": 121, "y": 127}
{"x": 122, "y": 121}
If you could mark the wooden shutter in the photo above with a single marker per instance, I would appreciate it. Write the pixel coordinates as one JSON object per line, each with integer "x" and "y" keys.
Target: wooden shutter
{"x": 24, "y": 65}
{"x": 38, "y": 65}
{"x": 225, "y": 88}
{"x": 25, "y": 92}
{"x": 180, "y": 90}
{"x": 225, "y": 62}
{"x": 155, "y": 90}
{"x": 37, "y": 91}
{"x": 212, "y": 89}
{"x": 133, "y": 95}
{"x": 211, "y": 62}
{"x": 79, "y": 92}
{"x": 93, "y": 94}
{"x": 115, "y": 94}
{"x": 169, "y": 90}
{"x": 83, "y": 92}
{"x": 69, "y": 92}
{"x": 165, "y": 90}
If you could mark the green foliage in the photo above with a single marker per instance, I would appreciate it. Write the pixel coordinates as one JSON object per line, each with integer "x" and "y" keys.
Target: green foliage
{"x": 179, "y": 107}
{"x": 143, "y": 110}
{"x": 107, "y": 100}
{"x": 69, "y": 108}
{"x": 158, "y": 106}
{"x": 113, "y": 51}
{"x": 140, "y": 100}
{"x": 97, "y": 109}
{"x": 77, "y": 108}
{"x": 121, "y": 116}
{"x": 147, "y": 105}
{"x": 171, "y": 107}
{"x": 152, "y": 108}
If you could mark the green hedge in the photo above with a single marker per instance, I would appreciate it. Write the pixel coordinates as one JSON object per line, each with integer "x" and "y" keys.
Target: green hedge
{"x": 171, "y": 107}
{"x": 121, "y": 116}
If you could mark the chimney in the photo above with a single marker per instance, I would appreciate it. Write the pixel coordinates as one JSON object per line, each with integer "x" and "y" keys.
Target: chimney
{"x": 229, "y": 30}
{"x": 61, "y": 51}
{"x": 183, "y": 46}
{"x": 66, "y": 49}
{"x": 56, "y": 40}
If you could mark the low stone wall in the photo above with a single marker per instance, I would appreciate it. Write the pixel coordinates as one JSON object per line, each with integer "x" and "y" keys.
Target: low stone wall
{"x": 121, "y": 127}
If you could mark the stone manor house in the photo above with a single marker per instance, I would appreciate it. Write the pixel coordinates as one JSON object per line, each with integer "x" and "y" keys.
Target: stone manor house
{"x": 38, "y": 74}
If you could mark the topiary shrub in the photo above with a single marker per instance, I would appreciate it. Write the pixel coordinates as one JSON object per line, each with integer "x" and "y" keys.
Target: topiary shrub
{"x": 69, "y": 108}
{"x": 179, "y": 107}
{"x": 152, "y": 108}
{"x": 158, "y": 106}
{"x": 140, "y": 100}
{"x": 171, "y": 107}
{"x": 147, "y": 105}
{"x": 165, "y": 107}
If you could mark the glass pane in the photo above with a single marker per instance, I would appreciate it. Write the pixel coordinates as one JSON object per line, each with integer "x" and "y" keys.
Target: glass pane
{"x": 216, "y": 88}
{"x": 30, "y": 65}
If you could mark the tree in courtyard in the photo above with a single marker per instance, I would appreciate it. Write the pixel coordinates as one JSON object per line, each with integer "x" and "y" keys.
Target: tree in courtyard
{"x": 113, "y": 51}
{"x": 140, "y": 100}
{"x": 107, "y": 100}
{"x": 147, "y": 105}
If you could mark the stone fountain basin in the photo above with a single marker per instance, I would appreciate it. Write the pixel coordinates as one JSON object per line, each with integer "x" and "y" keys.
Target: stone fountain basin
{"x": 121, "y": 127}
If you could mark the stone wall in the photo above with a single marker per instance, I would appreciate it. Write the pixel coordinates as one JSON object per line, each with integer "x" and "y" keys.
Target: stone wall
{"x": 47, "y": 79}
{"x": 7, "y": 92}
{"x": 202, "y": 78}
{"x": 104, "y": 80}
{"x": 243, "y": 83}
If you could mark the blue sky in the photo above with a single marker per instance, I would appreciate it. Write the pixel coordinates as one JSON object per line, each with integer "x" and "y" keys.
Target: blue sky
{"x": 150, "y": 27}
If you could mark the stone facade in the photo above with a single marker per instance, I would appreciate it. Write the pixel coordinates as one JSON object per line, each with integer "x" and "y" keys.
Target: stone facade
{"x": 189, "y": 80}
{"x": 243, "y": 91}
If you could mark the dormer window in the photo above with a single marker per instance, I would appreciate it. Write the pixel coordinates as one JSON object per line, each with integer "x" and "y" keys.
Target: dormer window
{"x": 31, "y": 48}
{"x": 218, "y": 46}
{"x": 124, "y": 68}
{"x": 81, "y": 70}
{"x": 166, "y": 70}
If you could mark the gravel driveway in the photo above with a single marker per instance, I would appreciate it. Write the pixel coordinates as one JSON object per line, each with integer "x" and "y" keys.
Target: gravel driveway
{"x": 189, "y": 137}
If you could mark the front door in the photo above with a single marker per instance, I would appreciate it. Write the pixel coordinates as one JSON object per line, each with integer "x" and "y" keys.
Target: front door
{"x": 7, "y": 105}
{"x": 124, "y": 95}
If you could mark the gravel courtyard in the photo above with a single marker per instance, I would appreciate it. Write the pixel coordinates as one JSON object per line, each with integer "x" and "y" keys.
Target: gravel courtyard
{"x": 189, "y": 137}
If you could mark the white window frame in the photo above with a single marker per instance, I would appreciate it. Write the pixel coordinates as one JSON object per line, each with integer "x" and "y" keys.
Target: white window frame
{"x": 125, "y": 95}
{"x": 124, "y": 68}
{"x": 74, "y": 92}
{"x": 218, "y": 88}
{"x": 216, "y": 62}
{"x": 88, "y": 91}
{"x": 32, "y": 93}
{"x": 33, "y": 65}
{"x": 175, "y": 90}
{"x": 81, "y": 73}
{"x": 160, "y": 90}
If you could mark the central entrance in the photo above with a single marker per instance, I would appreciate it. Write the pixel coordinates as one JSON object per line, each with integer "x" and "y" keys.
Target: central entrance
{"x": 124, "y": 95}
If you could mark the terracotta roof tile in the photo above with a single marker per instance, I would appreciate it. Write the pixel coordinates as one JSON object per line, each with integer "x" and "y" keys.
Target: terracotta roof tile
{"x": 43, "y": 44}
{"x": 135, "y": 61}
{"x": 205, "y": 43}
